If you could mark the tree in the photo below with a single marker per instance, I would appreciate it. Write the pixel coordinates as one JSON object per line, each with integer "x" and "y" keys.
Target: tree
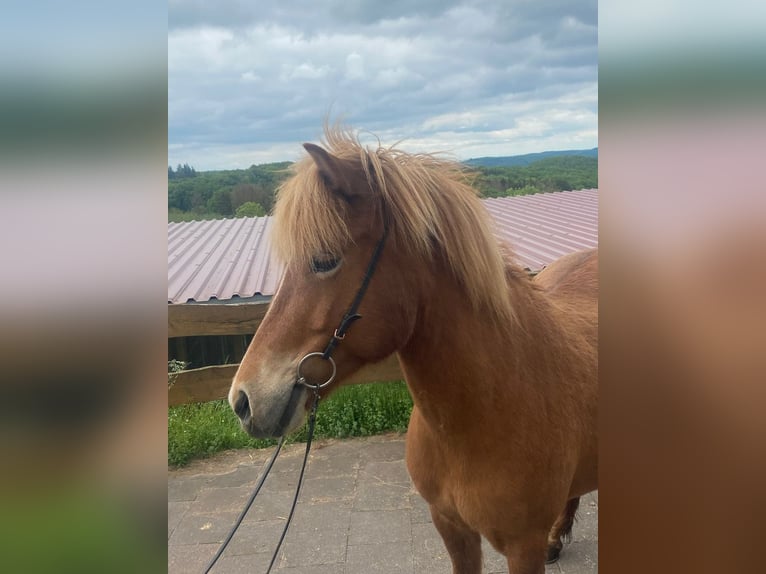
{"x": 220, "y": 202}
{"x": 182, "y": 171}
{"x": 250, "y": 209}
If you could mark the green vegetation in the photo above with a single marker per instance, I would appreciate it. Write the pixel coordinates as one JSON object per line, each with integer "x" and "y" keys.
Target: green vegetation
{"x": 199, "y": 430}
{"x": 528, "y": 158}
{"x": 250, "y": 209}
{"x": 559, "y": 173}
{"x": 194, "y": 195}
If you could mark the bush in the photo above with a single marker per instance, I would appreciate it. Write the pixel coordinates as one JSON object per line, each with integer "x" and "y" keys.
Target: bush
{"x": 250, "y": 209}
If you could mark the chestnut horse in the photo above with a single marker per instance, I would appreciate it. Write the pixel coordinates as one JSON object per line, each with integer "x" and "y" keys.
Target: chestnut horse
{"x": 502, "y": 369}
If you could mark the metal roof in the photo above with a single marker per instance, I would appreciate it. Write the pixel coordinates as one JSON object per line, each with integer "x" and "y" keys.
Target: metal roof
{"x": 225, "y": 259}
{"x": 542, "y": 227}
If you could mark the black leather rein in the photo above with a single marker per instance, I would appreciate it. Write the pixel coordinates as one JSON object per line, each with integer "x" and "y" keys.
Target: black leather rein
{"x": 338, "y": 335}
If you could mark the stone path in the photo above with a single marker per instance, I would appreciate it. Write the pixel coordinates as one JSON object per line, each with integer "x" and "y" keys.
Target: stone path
{"x": 358, "y": 514}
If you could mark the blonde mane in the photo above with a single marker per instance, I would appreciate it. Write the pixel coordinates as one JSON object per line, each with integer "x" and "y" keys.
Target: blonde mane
{"x": 430, "y": 207}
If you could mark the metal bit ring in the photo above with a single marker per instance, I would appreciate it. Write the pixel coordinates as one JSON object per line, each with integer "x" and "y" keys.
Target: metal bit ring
{"x": 302, "y": 380}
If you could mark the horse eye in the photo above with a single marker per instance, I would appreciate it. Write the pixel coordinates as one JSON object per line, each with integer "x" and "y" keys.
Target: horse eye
{"x": 324, "y": 263}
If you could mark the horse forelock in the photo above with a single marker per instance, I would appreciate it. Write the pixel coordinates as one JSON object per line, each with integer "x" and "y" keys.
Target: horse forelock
{"x": 429, "y": 206}
{"x": 308, "y": 220}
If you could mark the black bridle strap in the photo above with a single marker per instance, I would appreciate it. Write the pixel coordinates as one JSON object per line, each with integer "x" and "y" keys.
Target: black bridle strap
{"x": 352, "y": 315}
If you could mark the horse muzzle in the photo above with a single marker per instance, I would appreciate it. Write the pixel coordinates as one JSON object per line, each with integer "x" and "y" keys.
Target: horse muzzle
{"x": 271, "y": 422}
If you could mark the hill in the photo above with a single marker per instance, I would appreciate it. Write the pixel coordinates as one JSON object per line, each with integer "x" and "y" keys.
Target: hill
{"x": 526, "y": 159}
{"x": 555, "y": 173}
{"x": 249, "y": 192}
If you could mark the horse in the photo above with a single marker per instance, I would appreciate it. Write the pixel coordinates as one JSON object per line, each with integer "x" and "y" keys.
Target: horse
{"x": 502, "y": 367}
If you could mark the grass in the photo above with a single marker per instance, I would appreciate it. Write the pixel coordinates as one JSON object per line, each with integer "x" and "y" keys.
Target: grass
{"x": 199, "y": 430}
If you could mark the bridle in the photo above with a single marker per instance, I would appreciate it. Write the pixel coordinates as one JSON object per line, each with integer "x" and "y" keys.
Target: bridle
{"x": 338, "y": 335}
{"x": 348, "y": 319}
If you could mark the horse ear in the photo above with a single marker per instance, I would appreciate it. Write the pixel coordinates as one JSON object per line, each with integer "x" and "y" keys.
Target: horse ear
{"x": 331, "y": 169}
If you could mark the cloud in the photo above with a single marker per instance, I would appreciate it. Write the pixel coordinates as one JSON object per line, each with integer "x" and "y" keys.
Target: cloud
{"x": 262, "y": 77}
{"x": 354, "y": 67}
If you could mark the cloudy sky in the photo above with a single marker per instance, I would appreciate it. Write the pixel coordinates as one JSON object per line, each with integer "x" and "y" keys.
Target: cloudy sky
{"x": 249, "y": 81}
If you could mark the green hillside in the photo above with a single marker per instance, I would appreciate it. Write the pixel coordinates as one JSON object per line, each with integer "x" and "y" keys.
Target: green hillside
{"x": 194, "y": 195}
{"x": 526, "y": 159}
{"x": 558, "y": 173}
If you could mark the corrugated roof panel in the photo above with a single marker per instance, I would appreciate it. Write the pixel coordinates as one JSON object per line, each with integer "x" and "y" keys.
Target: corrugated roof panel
{"x": 542, "y": 227}
{"x": 230, "y": 258}
{"x": 219, "y": 259}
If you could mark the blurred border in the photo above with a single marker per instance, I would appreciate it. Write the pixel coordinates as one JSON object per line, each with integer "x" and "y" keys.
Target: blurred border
{"x": 83, "y": 160}
{"x": 683, "y": 242}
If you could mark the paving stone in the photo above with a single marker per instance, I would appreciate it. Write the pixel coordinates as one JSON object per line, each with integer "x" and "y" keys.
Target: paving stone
{"x": 290, "y": 459}
{"x": 393, "y": 472}
{"x": 183, "y": 559}
{"x": 313, "y": 548}
{"x": 176, "y": 511}
{"x": 221, "y": 499}
{"x": 389, "y": 558}
{"x": 358, "y": 514}
{"x": 339, "y": 447}
{"x": 270, "y": 506}
{"x": 281, "y": 480}
{"x": 315, "y": 569}
{"x": 378, "y": 496}
{"x": 242, "y": 476}
{"x": 379, "y": 526}
{"x": 256, "y": 537}
{"x": 241, "y": 564}
{"x": 330, "y": 488}
{"x": 335, "y": 515}
{"x": 324, "y": 466}
{"x": 203, "y": 528}
{"x": 383, "y": 451}
{"x": 181, "y": 490}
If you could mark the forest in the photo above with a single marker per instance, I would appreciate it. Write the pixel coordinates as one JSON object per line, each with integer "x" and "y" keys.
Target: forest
{"x": 194, "y": 195}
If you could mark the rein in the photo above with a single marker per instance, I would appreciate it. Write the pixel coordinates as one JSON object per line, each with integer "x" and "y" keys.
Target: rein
{"x": 338, "y": 335}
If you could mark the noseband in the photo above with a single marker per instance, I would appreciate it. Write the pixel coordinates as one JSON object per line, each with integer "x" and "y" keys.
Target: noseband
{"x": 339, "y": 334}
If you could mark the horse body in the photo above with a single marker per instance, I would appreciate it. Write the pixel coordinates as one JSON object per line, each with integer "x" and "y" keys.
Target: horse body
{"x": 502, "y": 368}
{"x": 502, "y": 433}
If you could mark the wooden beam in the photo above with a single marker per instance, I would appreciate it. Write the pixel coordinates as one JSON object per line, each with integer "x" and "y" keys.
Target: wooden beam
{"x": 201, "y": 385}
{"x": 212, "y": 383}
{"x": 205, "y": 319}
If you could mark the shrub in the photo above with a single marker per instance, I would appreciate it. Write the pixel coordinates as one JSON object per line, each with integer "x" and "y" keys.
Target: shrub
{"x": 250, "y": 209}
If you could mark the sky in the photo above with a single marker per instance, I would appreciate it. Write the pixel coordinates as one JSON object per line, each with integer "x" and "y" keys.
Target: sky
{"x": 248, "y": 82}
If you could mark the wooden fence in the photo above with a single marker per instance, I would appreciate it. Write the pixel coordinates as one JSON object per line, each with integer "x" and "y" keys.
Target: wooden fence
{"x": 211, "y": 383}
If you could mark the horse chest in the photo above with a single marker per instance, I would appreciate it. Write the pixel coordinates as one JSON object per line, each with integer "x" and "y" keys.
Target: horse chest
{"x": 491, "y": 498}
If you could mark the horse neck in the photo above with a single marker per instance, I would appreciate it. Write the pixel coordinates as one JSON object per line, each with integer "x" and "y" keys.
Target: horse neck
{"x": 462, "y": 364}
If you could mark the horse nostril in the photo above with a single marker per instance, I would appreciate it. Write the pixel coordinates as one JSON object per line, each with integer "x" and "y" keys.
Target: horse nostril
{"x": 242, "y": 405}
